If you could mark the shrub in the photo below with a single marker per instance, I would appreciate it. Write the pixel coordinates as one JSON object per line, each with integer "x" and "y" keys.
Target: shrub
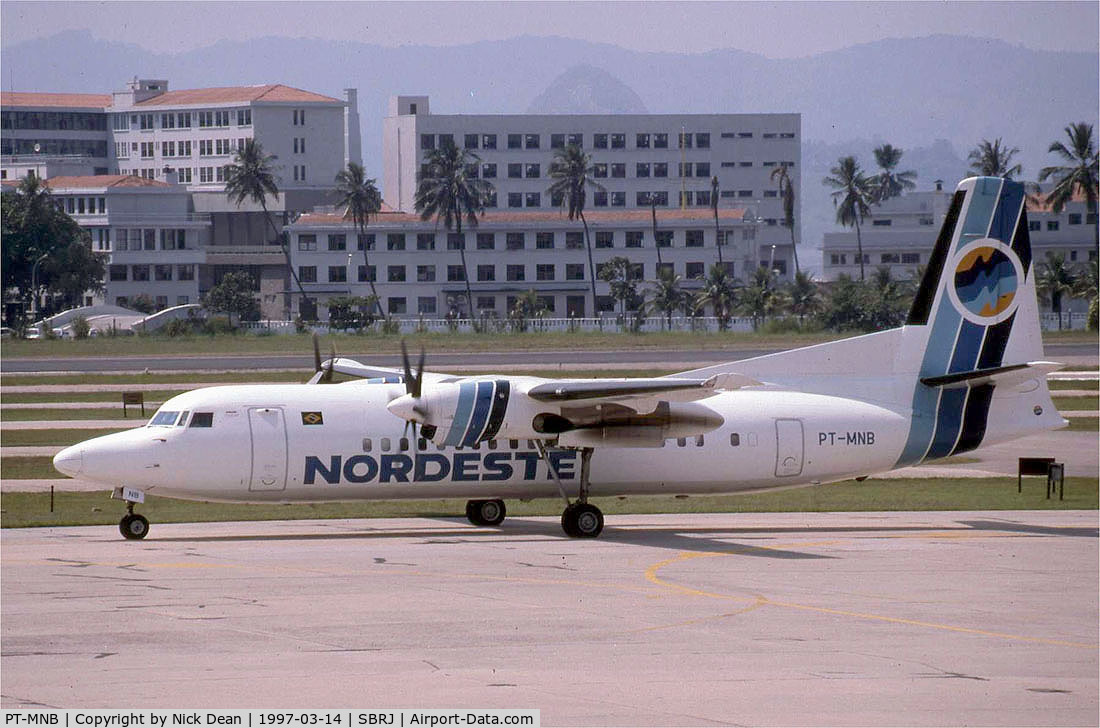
{"x": 81, "y": 328}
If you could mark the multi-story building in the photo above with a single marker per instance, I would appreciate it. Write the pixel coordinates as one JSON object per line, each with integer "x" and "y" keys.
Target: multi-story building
{"x": 187, "y": 137}
{"x": 417, "y": 268}
{"x": 667, "y": 160}
{"x": 901, "y": 232}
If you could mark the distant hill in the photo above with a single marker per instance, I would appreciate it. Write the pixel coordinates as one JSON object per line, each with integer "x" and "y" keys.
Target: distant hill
{"x": 909, "y": 92}
{"x": 587, "y": 90}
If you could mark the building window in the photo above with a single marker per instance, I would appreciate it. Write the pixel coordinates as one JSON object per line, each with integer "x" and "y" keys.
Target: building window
{"x": 427, "y": 141}
{"x": 599, "y": 141}
{"x": 488, "y": 141}
{"x": 425, "y": 273}
{"x": 1034, "y": 225}
{"x": 1052, "y": 225}
{"x": 514, "y": 241}
{"x": 660, "y": 169}
{"x": 337, "y": 241}
{"x": 515, "y": 199}
{"x": 574, "y": 240}
{"x": 531, "y": 171}
{"x": 641, "y": 141}
{"x": 557, "y": 141}
{"x": 634, "y": 238}
{"x": 693, "y": 270}
{"x": 446, "y": 140}
{"x": 575, "y": 139}
{"x": 395, "y": 274}
{"x": 618, "y": 170}
{"x": 487, "y": 272}
{"x": 425, "y": 241}
{"x": 599, "y": 169}
{"x": 544, "y": 272}
{"x": 910, "y": 258}
{"x": 395, "y": 241}
{"x": 489, "y": 171}
{"x": 365, "y": 241}
{"x": 744, "y": 193}
{"x": 455, "y": 273}
{"x": 664, "y": 238}
{"x": 185, "y": 272}
{"x": 469, "y": 141}
{"x": 337, "y": 274}
{"x": 693, "y": 238}
{"x": 396, "y": 305}
{"x": 605, "y": 239}
{"x": 531, "y": 141}
{"x": 702, "y": 169}
{"x": 515, "y": 141}
{"x": 618, "y": 141}
{"x": 883, "y": 222}
{"x": 367, "y": 274}
{"x": 307, "y": 242}
{"x": 244, "y": 117}
{"x": 533, "y": 199}
{"x": 702, "y": 141}
{"x": 889, "y": 258}
{"x": 702, "y": 198}
{"x": 146, "y": 121}
{"x": 515, "y": 273}
{"x": 147, "y": 150}
{"x": 684, "y": 140}
{"x": 599, "y": 198}
{"x": 544, "y": 241}
{"x": 425, "y": 304}
{"x": 117, "y": 272}
{"x": 618, "y": 199}
{"x": 456, "y": 241}
{"x": 486, "y": 302}
{"x": 515, "y": 170}
{"x": 574, "y": 271}
{"x": 307, "y": 273}
{"x": 686, "y": 169}
{"x": 641, "y": 169}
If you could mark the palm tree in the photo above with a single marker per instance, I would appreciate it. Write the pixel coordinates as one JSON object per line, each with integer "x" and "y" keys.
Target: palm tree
{"x": 993, "y": 160}
{"x": 851, "y": 199}
{"x": 760, "y": 297}
{"x": 890, "y": 183}
{"x": 666, "y": 296}
{"x": 718, "y": 291}
{"x": 446, "y": 191}
{"x": 714, "y": 209}
{"x": 572, "y": 173}
{"x": 360, "y": 198}
{"x": 805, "y": 298}
{"x": 1054, "y": 281}
{"x": 1078, "y": 176}
{"x": 252, "y": 176}
{"x": 786, "y": 190}
{"x": 656, "y": 244}
{"x": 619, "y": 273}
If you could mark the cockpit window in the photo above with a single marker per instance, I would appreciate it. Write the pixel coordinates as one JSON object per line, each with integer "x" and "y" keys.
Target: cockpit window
{"x": 202, "y": 419}
{"x": 164, "y": 418}
{"x": 183, "y": 419}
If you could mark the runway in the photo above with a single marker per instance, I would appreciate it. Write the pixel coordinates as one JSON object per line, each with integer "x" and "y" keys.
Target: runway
{"x": 939, "y": 618}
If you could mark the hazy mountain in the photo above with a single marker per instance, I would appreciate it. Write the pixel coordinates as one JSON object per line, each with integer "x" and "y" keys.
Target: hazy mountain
{"x": 909, "y": 92}
{"x": 587, "y": 90}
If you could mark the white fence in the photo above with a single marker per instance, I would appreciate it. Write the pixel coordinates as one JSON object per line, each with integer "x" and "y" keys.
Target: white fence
{"x": 1049, "y": 321}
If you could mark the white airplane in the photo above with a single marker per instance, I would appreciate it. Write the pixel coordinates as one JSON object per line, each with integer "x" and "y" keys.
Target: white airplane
{"x": 964, "y": 371}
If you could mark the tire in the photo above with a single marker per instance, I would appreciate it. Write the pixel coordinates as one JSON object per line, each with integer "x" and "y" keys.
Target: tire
{"x": 134, "y": 527}
{"x": 491, "y": 512}
{"x": 472, "y": 508}
{"x": 582, "y": 520}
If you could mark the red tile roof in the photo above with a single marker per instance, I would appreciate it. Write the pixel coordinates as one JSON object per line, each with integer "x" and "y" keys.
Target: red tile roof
{"x": 236, "y": 94}
{"x": 102, "y": 180}
{"x": 1038, "y": 203}
{"x": 80, "y": 101}
{"x": 637, "y": 217}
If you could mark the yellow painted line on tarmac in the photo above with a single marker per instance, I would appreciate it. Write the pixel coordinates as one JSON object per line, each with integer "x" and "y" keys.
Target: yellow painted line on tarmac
{"x": 651, "y": 575}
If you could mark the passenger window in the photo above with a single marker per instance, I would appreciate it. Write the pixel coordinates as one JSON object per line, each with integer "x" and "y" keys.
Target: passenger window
{"x": 202, "y": 419}
{"x": 681, "y": 442}
{"x": 183, "y": 418}
{"x": 513, "y": 444}
{"x": 385, "y": 444}
{"x": 530, "y": 444}
{"x": 421, "y": 444}
{"x": 404, "y": 444}
{"x": 492, "y": 444}
{"x": 735, "y": 439}
{"x": 366, "y": 444}
{"x": 698, "y": 441}
{"x": 166, "y": 419}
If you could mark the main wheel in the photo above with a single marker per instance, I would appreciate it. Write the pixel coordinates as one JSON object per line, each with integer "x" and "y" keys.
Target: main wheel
{"x": 134, "y": 526}
{"x": 582, "y": 520}
{"x": 485, "y": 512}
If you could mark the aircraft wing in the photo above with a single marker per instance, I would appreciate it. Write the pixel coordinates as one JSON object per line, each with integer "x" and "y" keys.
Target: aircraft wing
{"x": 592, "y": 391}
{"x": 352, "y": 368}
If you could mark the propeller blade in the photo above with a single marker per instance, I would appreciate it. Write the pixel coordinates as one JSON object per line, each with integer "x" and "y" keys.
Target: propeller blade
{"x": 405, "y": 364}
{"x": 419, "y": 375}
{"x": 316, "y": 353}
{"x": 326, "y": 378}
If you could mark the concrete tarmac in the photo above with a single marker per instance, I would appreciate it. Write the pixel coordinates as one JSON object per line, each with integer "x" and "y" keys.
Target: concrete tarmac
{"x": 946, "y": 618}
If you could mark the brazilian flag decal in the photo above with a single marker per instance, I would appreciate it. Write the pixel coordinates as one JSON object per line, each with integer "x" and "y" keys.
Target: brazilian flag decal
{"x": 312, "y": 418}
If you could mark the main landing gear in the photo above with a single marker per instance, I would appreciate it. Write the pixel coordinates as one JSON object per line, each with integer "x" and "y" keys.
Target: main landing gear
{"x": 580, "y": 519}
{"x": 133, "y": 526}
{"x": 485, "y": 512}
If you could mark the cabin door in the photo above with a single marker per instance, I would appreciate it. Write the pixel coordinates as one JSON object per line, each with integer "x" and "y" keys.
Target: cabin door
{"x": 788, "y": 448}
{"x": 268, "y": 448}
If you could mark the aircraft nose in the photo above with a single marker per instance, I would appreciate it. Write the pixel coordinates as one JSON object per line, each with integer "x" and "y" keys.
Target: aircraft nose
{"x": 70, "y": 461}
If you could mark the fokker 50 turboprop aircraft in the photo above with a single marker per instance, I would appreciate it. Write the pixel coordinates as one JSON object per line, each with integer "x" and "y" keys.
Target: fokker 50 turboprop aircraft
{"x": 964, "y": 371}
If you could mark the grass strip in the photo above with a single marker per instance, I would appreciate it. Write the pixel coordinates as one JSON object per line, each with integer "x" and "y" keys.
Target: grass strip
{"x": 63, "y": 414}
{"x": 1077, "y": 403}
{"x": 30, "y": 467}
{"x": 113, "y": 397}
{"x": 1084, "y": 424}
{"x": 1059, "y": 384}
{"x": 35, "y": 438}
{"x": 83, "y": 509}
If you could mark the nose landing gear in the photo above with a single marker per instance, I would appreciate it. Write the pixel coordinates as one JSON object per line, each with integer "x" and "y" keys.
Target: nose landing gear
{"x": 133, "y": 526}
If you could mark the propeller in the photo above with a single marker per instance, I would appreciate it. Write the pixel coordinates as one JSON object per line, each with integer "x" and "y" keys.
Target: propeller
{"x": 322, "y": 375}
{"x": 414, "y": 384}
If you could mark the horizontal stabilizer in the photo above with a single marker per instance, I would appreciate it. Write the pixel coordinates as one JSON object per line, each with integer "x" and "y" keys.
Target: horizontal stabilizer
{"x": 1004, "y": 375}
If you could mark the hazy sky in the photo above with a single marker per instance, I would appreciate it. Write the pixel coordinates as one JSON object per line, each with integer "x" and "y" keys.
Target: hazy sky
{"x": 774, "y": 29}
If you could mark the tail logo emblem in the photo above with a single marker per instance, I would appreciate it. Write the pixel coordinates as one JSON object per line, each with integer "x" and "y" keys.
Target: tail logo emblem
{"x": 987, "y": 275}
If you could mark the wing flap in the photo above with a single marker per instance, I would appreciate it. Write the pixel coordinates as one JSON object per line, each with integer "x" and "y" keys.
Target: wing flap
{"x": 666, "y": 388}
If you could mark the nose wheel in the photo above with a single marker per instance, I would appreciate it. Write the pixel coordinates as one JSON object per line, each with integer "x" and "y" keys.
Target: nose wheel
{"x": 133, "y": 526}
